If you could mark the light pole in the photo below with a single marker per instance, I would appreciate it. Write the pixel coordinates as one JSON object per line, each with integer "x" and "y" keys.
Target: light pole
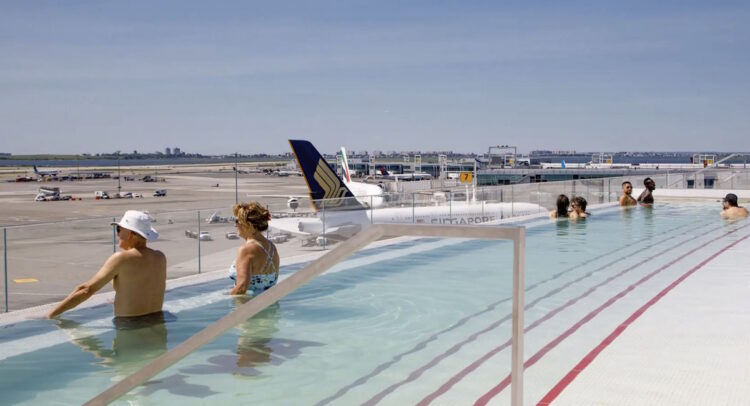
{"x": 118, "y": 173}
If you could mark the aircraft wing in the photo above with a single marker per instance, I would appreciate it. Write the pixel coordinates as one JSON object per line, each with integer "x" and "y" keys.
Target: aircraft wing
{"x": 288, "y": 224}
{"x": 287, "y": 196}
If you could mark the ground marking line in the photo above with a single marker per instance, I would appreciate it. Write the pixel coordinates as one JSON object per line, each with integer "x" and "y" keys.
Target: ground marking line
{"x": 552, "y": 344}
{"x": 586, "y": 361}
{"x": 418, "y": 372}
{"x": 423, "y": 344}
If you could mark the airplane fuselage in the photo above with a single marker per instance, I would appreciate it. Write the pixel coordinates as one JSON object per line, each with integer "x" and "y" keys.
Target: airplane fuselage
{"x": 456, "y": 214}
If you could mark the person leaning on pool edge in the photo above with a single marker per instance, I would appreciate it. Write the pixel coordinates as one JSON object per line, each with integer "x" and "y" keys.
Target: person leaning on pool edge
{"x": 138, "y": 273}
{"x": 730, "y": 209}
{"x": 257, "y": 264}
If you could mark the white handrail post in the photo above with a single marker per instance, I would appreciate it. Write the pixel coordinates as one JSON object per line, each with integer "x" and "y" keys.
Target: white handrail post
{"x": 519, "y": 264}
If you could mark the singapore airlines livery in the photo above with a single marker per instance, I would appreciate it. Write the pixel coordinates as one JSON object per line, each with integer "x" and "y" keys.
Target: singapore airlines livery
{"x": 340, "y": 213}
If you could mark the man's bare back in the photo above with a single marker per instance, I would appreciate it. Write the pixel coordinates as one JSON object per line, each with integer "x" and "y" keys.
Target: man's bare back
{"x": 140, "y": 283}
{"x": 730, "y": 208}
{"x": 734, "y": 213}
{"x": 138, "y": 273}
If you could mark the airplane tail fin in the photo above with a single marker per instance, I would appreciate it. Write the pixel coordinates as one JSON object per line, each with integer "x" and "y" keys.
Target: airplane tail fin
{"x": 36, "y": 171}
{"x": 562, "y": 164}
{"x": 345, "y": 163}
{"x": 321, "y": 180}
{"x": 383, "y": 171}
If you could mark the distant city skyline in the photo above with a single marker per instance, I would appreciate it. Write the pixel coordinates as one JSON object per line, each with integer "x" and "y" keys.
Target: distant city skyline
{"x": 219, "y": 78}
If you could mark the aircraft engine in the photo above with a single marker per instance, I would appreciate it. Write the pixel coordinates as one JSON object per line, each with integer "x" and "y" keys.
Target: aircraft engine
{"x": 292, "y": 203}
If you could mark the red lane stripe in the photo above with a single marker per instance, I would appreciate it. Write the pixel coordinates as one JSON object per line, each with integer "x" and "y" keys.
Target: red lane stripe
{"x": 471, "y": 367}
{"x": 552, "y": 344}
{"x": 570, "y": 376}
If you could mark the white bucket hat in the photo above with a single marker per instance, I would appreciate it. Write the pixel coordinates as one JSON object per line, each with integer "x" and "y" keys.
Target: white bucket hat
{"x": 139, "y": 223}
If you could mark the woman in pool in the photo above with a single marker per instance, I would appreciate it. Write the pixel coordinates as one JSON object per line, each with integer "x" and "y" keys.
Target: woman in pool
{"x": 579, "y": 208}
{"x": 562, "y": 207}
{"x": 257, "y": 264}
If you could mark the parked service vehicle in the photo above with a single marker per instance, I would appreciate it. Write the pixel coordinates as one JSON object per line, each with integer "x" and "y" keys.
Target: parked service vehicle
{"x": 205, "y": 236}
{"x": 160, "y": 192}
{"x": 100, "y": 194}
{"x": 232, "y": 235}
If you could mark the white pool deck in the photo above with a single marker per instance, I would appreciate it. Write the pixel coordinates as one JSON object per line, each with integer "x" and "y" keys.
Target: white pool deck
{"x": 690, "y": 348}
{"x": 688, "y": 345}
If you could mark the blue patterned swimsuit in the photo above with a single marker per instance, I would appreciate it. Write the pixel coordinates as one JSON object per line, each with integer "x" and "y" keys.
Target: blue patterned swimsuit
{"x": 261, "y": 281}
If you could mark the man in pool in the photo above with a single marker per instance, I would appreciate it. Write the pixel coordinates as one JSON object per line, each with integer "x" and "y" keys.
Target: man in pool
{"x": 647, "y": 197}
{"x": 730, "y": 208}
{"x": 627, "y": 199}
{"x": 138, "y": 273}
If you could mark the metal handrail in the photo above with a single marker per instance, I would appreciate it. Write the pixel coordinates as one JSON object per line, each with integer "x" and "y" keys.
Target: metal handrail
{"x": 320, "y": 265}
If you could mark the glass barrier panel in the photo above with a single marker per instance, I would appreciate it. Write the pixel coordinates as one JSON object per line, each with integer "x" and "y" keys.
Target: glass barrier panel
{"x": 47, "y": 261}
{"x": 178, "y": 240}
{"x": 218, "y": 238}
{"x": 340, "y": 219}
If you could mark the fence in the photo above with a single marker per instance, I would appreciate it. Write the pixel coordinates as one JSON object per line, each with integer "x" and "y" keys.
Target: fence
{"x": 44, "y": 262}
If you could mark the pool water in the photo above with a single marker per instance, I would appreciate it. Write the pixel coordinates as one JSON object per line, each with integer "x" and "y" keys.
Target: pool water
{"x": 427, "y": 321}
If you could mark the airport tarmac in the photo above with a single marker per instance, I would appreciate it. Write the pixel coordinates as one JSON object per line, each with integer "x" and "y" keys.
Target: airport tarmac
{"x": 54, "y": 245}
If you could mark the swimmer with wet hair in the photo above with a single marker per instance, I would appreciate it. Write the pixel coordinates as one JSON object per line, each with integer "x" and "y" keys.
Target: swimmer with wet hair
{"x": 562, "y": 207}
{"x": 730, "y": 208}
{"x": 627, "y": 199}
{"x": 579, "y": 208}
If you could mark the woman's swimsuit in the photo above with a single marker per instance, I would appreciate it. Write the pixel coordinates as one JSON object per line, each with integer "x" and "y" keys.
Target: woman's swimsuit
{"x": 261, "y": 281}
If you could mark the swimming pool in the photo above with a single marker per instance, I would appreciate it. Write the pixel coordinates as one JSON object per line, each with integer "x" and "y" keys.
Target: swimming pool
{"x": 427, "y": 321}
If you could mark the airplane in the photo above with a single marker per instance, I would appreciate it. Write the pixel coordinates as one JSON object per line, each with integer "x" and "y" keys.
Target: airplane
{"x": 404, "y": 176}
{"x": 52, "y": 174}
{"x": 341, "y": 214}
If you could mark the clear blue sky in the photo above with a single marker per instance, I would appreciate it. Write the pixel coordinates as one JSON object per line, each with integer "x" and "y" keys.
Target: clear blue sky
{"x": 219, "y": 77}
